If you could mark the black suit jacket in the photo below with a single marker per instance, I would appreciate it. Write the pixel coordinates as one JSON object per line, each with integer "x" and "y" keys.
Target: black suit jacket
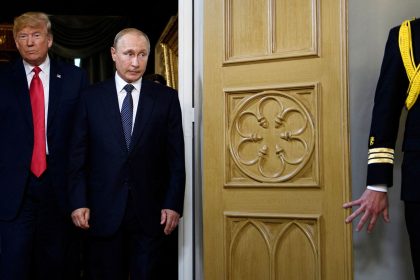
{"x": 102, "y": 170}
{"x": 16, "y": 126}
{"x": 390, "y": 96}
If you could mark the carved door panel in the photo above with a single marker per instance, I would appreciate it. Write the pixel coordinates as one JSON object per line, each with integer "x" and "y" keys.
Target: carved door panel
{"x": 276, "y": 151}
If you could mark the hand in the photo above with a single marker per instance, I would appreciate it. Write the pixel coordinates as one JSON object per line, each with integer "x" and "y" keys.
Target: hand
{"x": 170, "y": 218}
{"x": 81, "y": 217}
{"x": 372, "y": 204}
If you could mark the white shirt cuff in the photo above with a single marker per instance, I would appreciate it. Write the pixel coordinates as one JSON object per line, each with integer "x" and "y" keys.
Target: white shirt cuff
{"x": 378, "y": 188}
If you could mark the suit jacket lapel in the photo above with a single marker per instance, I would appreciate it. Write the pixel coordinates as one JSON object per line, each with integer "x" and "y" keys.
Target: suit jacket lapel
{"x": 55, "y": 88}
{"x": 144, "y": 111}
{"x": 22, "y": 90}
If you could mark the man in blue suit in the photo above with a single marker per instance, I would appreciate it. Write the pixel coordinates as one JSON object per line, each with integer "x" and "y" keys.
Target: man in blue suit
{"x": 34, "y": 144}
{"x": 127, "y": 167}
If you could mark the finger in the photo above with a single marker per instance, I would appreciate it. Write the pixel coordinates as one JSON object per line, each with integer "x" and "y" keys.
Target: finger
{"x": 167, "y": 229}
{"x": 372, "y": 223}
{"x": 170, "y": 226}
{"x": 78, "y": 224}
{"x": 347, "y": 205}
{"x": 385, "y": 216}
{"x": 359, "y": 226}
{"x": 362, "y": 221}
{"x": 74, "y": 220}
{"x": 351, "y": 203}
{"x": 81, "y": 221}
{"x": 84, "y": 224}
{"x": 356, "y": 213}
{"x": 86, "y": 217}
{"x": 350, "y": 218}
{"x": 163, "y": 217}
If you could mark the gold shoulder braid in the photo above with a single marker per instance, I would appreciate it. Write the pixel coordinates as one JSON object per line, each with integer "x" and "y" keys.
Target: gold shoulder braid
{"x": 413, "y": 72}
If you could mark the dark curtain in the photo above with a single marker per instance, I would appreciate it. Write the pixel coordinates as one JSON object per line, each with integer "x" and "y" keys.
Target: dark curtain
{"x": 88, "y": 38}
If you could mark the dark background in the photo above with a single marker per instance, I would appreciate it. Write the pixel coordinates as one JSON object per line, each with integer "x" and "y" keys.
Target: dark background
{"x": 149, "y": 16}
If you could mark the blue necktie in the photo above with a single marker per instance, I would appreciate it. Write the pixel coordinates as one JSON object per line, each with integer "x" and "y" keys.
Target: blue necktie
{"x": 127, "y": 114}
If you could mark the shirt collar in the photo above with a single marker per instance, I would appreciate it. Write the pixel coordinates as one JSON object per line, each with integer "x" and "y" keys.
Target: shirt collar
{"x": 120, "y": 83}
{"x": 45, "y": 66}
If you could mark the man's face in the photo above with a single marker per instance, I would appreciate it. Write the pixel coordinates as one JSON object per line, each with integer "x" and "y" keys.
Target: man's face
{"x": 33, "y": 44}
{"x": 130, "y": 56}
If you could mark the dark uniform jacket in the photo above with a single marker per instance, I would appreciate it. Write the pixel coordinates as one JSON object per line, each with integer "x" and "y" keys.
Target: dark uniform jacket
{"x": 390, "y": 97}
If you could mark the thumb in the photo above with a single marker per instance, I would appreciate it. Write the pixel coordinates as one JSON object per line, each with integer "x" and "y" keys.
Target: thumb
{"x": 162, "y": 217}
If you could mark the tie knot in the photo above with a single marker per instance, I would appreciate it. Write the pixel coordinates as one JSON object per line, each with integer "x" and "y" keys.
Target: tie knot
{"x": 129, "y": 88}
{"x": 36, "y": 70}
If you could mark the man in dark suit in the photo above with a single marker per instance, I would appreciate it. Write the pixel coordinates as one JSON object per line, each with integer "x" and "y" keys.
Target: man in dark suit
{"x": 398, "y": 84}
{"x": 127, "y": 166}
{"x": 38, "y": 102}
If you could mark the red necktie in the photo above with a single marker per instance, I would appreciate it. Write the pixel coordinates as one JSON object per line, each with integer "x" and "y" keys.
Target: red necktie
{"x": 36, "y": 92}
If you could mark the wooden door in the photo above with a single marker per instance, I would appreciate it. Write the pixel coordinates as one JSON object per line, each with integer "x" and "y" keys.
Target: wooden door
{"x": 276, "y": 147}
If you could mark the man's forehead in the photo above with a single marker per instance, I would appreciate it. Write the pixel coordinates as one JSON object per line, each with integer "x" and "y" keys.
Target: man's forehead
{"x": 135, "y": 45}
{"x": 32, "y": 28}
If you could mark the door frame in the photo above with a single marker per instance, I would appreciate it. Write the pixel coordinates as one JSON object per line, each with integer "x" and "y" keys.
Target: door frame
{"x": 190, "y": 69}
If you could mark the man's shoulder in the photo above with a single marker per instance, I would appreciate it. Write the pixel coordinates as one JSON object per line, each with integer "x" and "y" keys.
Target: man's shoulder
{"x": 67, "y": 67}
{"x": 157, "y": 87}
{"x": 102, "y": 86}
{"x": 414, "y": 23}
{"x": 414, "y": 26}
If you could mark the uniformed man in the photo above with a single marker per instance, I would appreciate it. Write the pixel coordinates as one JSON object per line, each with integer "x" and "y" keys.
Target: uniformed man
{"x": 397, "y": 89}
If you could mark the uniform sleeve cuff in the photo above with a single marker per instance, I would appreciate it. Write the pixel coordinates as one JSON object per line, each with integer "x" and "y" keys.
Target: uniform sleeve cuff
{"x": 378, "y": 188}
